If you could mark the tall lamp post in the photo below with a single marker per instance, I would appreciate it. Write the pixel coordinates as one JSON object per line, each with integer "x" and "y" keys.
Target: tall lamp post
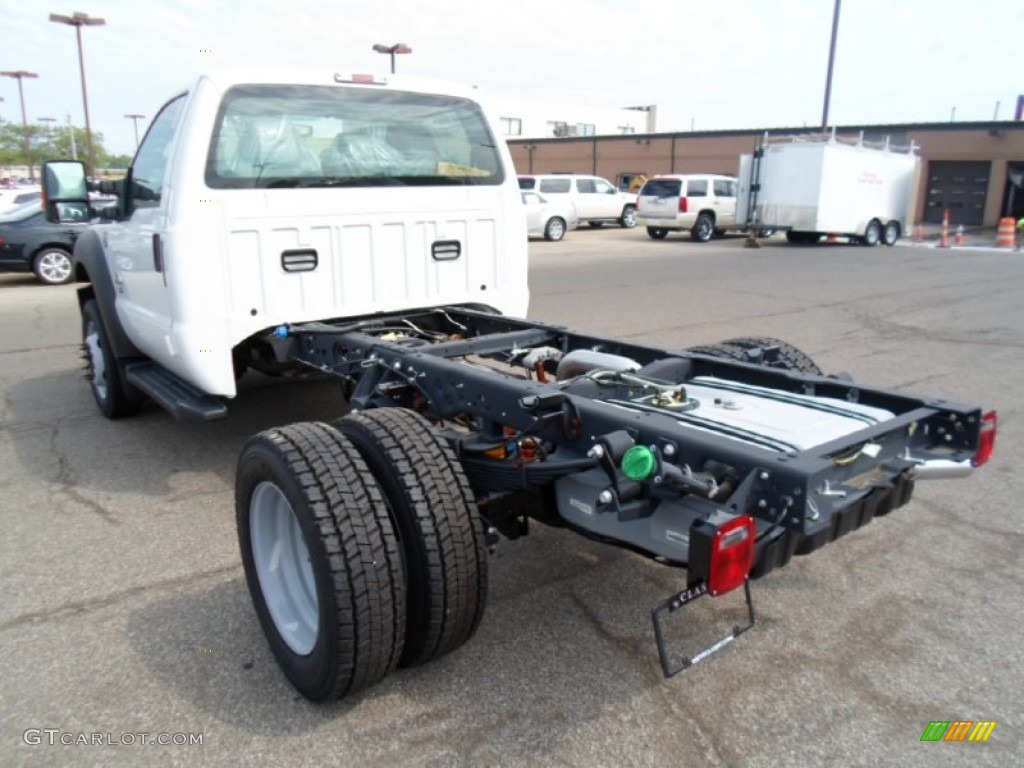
{"x": 78, "y": 20}
{"x": 831, "y": 61}
{"x": 135, "y": 123}
{"x": 21, "y": 74}
{"x": 391, "y": 50}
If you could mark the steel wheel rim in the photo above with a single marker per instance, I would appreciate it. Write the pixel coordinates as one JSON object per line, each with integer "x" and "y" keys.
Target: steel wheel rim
{"x": 97, "y": 363}
{"x": 283, "y": 567}
{"x": 55, "y": 267}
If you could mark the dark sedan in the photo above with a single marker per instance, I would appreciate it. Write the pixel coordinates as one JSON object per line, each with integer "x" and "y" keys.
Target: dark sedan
{"x": 30, "y": 243}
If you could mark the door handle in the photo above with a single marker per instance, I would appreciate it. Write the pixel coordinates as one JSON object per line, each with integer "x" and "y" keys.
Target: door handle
{"x": 158, "y": 254}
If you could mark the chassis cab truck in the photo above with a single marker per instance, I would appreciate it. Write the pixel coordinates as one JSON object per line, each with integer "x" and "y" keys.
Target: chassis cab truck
{"x": 370, "y": 228}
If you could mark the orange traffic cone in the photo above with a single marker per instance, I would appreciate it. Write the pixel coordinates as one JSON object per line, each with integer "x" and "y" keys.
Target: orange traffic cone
{"x": 1004, "y": 235}
{"x": 944, "y": 239}
{"x": 959, "y": 234}
{"x": 832, "y": 238}
{"x": 919, "y": 234}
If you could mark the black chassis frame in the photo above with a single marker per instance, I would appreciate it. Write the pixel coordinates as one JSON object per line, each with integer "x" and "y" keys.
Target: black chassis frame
{"x": 799, "y": 499}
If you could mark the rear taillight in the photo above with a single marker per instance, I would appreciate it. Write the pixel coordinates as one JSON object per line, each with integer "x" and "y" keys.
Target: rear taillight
{"x": 986, "y": 439}
{"x": 684, "y": 204}
{"x": 722, "y": 552}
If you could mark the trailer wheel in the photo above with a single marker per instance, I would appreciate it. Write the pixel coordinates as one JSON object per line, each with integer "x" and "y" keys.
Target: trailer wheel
{"x": 872, "y": 234}
{"x": 657, "y": 233}
{"x": 788, "y": 357}
{"x": 101, "y": 368}
{"x": 437, "y": 520}
{"x": 891, "y": 233}
{"x": 321, "y": 559}
{"x": 703, "y": 228}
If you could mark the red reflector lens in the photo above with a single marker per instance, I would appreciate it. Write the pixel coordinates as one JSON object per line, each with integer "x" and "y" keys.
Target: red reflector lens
{"x": 986, "y": 439}
{"x": 732, "y": 555}
{"x": 684, "y": 204}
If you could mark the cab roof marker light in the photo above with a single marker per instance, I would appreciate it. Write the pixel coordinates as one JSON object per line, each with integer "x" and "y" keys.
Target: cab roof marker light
{"x": 361, "y": 79}
{"x": 986, "y": 439}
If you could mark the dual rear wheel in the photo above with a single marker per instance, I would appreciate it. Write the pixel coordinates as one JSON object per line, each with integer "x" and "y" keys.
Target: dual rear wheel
{"x": 362, "y": 546}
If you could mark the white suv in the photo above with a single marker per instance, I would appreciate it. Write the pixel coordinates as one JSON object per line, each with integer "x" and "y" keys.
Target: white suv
{"x": 596, "y": 199}
{"x": 705, "y": 204}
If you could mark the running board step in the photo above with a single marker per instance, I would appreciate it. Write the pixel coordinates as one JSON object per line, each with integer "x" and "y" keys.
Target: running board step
{"x": 177, "y": 396}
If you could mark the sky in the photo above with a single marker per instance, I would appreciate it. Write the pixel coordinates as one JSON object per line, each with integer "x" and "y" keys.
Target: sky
{"x": 706, "y": 64}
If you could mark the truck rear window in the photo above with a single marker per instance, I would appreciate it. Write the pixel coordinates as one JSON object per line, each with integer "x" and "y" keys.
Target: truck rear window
{"x": 281, "y": 136}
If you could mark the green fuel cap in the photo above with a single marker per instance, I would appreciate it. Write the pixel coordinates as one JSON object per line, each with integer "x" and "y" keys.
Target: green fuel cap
{"x": 638, "y": 463}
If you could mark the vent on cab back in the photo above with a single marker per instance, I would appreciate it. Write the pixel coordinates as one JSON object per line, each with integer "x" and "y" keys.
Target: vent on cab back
{"x": 304, "y": 260}
{"x": 446, "y": 250}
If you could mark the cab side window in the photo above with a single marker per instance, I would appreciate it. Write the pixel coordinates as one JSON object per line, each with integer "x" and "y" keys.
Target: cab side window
{"x": 603, "y": 187}
{"x": 586, "y": 186}
{"x": 150, "y": 166}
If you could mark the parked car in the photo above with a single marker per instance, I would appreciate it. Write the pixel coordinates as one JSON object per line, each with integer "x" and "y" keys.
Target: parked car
{"x": 13, "y": 197}
{"x": 30, "y": 243}
{"x": 596, "y": 200}
{"x": 704, "y": 204}
{"x": 549, "y": 219}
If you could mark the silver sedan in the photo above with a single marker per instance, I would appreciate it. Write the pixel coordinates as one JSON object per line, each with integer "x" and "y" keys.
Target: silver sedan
{"x": 547, "y": 218}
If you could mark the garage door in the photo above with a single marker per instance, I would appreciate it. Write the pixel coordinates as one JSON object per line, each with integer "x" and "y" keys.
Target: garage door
{"x": 958, "y": 187}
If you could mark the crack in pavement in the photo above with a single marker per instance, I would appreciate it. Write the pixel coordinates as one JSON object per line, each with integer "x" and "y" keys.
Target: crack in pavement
{"x": 76, "y": 607}
{"x": 65, "y": 480}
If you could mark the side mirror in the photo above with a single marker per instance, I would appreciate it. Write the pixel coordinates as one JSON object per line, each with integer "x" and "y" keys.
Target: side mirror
{"x": 64, "y": 182}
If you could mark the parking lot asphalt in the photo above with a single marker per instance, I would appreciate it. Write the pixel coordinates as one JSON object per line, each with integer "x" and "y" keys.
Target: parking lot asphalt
{"x": 125, "y": 610}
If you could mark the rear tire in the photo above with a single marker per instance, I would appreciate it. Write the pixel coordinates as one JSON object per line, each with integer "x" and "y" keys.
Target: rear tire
{"x": 102, "y": 369}
{"x": 321, "y": 559}
{"x": 554, "y": 230}
{"x": 891, "y": 233}
{"x": 437, "y": 520}
{"x": 657, "y": 233}
{"x": 53, "y": 266}
{"x": 724, "y": 350}
{"x": 788, "y": 356}
{"x": 703, "y": 228}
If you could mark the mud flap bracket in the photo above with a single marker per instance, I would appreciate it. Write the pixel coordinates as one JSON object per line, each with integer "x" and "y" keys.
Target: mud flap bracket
{"x": 675, "y": 603}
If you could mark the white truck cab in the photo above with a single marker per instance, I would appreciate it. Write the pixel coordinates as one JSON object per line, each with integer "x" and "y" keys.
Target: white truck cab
{"x": 261, "y": 197}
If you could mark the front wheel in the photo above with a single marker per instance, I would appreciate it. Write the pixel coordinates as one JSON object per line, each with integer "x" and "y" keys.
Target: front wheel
{"x": 555, "y": 229}
{"x": 703, "y": 228}
{"x": 101, "y": 367}
{"x": 628, "y": 218}
{"x": 657, "y": 233}
{"x": 321, "y": 559}
{"x": 53, "y": 266}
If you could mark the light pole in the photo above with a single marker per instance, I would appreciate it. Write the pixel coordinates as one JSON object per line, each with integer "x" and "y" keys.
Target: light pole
{"x": 391, "y": 50}
{"x": 77, "y": 20}
{"x": 21, "y": 74}
{"x": 831, "y": 61}
{"x": 135, "y": 123}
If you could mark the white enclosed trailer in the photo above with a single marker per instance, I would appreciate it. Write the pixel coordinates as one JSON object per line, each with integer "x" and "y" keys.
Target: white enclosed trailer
{"x": 813, "y": 186}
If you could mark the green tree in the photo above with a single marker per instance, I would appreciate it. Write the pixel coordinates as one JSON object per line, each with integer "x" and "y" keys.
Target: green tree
{"x": 50, "y": 141}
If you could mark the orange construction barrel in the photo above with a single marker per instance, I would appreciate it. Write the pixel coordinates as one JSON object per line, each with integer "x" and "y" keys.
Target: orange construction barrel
{"x": 1006, "y": 232}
